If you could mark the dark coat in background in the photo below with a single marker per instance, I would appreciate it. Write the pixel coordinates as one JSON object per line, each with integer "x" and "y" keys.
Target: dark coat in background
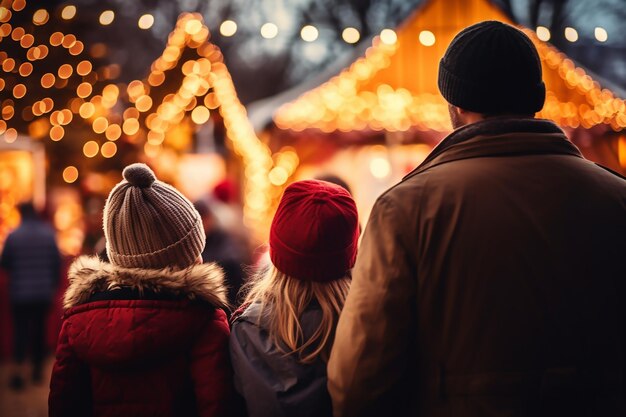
{"x": 489, "y": 282}
{"x": 32, "y": 260}
{"x": 141, "y": 342}
{"x": 272, "y": 383}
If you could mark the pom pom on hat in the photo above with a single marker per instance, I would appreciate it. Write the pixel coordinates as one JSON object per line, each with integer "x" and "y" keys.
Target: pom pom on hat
{"x": 139, "y": 175}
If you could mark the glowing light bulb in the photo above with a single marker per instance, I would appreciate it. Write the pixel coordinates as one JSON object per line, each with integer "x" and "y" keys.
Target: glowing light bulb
{"x": 107, "y": 17}
{"x": 68, "y": 12}
{"x": 70, "y": 174}
{"x": 427, "y": 38}
{"x": 269, "y": 30}
{"x": 228, "y": 28}
{"x": 388, "y": 36}
{"x": 601, "y": 34}
{"x": 146, "y": 21}
{"x": 309, "y": 33}
{"x": 543, "y": 33}
{"x": 571, "y": 34}
{"x": 350, "y": 35}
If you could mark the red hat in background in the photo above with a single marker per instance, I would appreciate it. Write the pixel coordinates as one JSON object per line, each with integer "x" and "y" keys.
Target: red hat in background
{"x": 226, "y": 191}
{"x": 315, "y": 231}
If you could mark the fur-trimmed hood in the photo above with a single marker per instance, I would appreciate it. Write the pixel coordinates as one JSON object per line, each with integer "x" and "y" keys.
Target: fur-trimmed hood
{"x": 89, "y": 274}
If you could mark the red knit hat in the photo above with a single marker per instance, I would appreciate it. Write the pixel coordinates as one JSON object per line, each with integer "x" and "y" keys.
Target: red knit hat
{"x": 315, "y": 231}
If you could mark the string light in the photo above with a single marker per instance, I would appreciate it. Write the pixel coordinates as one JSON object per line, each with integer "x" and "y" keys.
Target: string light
{"x": 601, "y": 34}
{"x": 571, "y": 34}
{"x": 269, "y": 30}
{"x": 350, "y": 35}
{"x": 108, "y": 149}
{"x": 70, "y": 174}
{"x": 543, "y": 33}
{"x": 427, "y": 38}
{"x": 146, "y": 21}
{"x": 106, "y": 17}
{"x": 388, "y": 36}
{"x": 309, "y": 33}
{"x": 40, "y": 17}
{"x": 228, "y": 28}
{"x": 91, "y": 149}
{"x": 68, "y": 12}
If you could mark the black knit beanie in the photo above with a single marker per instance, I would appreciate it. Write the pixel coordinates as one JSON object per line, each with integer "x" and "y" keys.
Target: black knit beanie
{"x": 492, "y": 68}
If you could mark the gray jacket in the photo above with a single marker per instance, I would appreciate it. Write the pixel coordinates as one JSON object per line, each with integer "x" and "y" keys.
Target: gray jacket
{"x": 272, "y": 383}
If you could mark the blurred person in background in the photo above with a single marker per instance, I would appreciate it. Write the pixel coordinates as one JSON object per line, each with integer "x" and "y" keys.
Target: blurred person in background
{"x": 223, "y": 248}
{"x": 32, "y": 261}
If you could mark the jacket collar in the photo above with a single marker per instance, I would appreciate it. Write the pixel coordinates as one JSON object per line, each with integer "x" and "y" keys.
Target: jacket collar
{"x": 500, "y": 136}
{"x": 89, "y": 275}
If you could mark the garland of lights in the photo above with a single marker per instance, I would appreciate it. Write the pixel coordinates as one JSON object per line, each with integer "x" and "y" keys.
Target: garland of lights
{"x": 206, "y": 86}
{"x": 340, "y": 104}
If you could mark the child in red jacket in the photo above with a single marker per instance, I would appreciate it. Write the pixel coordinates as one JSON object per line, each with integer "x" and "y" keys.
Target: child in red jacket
{"x": 146, "y": 334}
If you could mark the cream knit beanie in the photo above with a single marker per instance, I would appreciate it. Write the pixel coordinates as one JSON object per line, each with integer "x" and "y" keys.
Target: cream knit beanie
{"x": 149, "y": 224}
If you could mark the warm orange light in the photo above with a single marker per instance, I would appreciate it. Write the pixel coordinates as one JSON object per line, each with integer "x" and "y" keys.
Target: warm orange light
{"x": 18, "y": 5}
{"x": 26, "y": 69}
{"x": 193, "y": 26}
{"x": 57, "y": 133}
{"x": 68, "y": 12}
{"x": 10, "y": 135}
{"x": 27, "y": 41}
{"x": 83, "y": 90}
{"x": 106, "y": 17}
{"x": 87, "y": 110}
{"x": 17, "y": 33}
{"x": 200, "y": 115}
{"x": 113, "y": 132}
{"x": 100, "y": 124}
{"x": 48, "y": 104}
{"x": 3, "y": 126}
{"x": 40, "y": 17}
{"x": 130, "y": 126}
{"x": 91, "y": 149}
{"x": 8, "y": 112}
{"x": 8, "y": 65}
{"x": 65, "y": 71}
{"x": 47, "y": 80}
{"x": 145, "y": 21}
{"x": 108, "y": 149}
{"x": 156, "y": 78}
{"x": 83, "y": 68}
{"x": 70, "y": 174}
{"x": 77, "y": 48}
{"x": 68, "y": 41}
{"x": 144, "y": 103}
{"x": 56, "y": 39}
{"x": 19, "y": 91}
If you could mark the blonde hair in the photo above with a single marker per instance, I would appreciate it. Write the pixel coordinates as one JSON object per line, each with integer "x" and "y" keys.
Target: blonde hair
{"x": 283, "y": 300}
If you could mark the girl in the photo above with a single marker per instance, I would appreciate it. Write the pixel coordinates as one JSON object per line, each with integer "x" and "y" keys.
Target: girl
{"x": 281, "y": 337}
{"x": 146, "y": 334}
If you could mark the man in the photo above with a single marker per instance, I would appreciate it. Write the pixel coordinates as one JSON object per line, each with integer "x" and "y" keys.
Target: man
{"x": 32, "y": 261}
{"x": 490, "y": 280}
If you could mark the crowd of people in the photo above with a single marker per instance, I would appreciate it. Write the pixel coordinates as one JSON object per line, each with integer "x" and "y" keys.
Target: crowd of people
{"x": 488, "y": 282}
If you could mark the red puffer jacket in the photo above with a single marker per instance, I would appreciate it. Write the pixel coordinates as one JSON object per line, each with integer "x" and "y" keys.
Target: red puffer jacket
{"x": 142, "y": 343}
